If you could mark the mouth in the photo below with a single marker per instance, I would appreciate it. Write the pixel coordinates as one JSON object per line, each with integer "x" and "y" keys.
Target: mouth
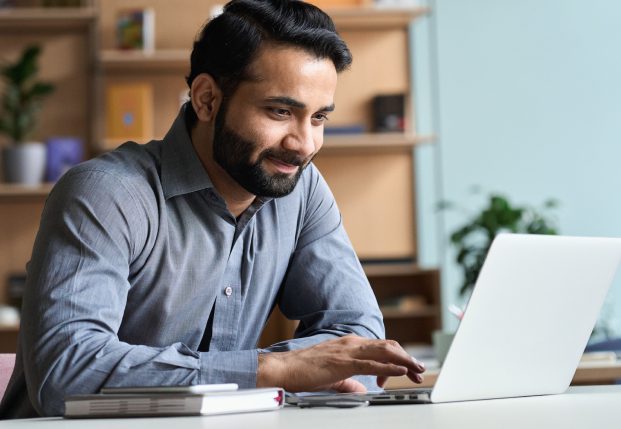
{"x": 283, "y": 167}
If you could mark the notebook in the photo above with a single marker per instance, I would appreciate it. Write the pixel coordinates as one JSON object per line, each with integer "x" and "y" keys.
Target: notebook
{"x": 171, "y": 403}
{"x": 527, "y": 323}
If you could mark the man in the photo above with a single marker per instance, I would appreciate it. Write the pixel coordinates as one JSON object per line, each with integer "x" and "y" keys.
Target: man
{"x": 159, "y": 264}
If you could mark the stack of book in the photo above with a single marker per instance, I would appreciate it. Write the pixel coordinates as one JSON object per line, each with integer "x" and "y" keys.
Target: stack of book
{"x": 199, "y": 400}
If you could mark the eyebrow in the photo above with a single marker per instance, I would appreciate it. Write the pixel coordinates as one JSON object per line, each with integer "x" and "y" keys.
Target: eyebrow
{"x": 288, "y": 101}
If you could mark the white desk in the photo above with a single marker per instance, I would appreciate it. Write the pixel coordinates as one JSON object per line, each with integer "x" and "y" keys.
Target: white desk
{"x": 591, "y": 407}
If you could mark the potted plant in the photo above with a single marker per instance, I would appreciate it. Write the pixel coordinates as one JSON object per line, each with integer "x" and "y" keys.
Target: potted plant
{"x": 473, "y": 239}
{"x": 23, "y": 160}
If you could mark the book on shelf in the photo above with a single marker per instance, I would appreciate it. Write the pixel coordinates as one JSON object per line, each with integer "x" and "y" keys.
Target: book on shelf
{"x": 135, "y": 29}
{"x": 174, "y": 403}
{"x": 129, "y": 112}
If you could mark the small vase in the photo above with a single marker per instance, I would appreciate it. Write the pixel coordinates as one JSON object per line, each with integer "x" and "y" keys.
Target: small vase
{"x": 24, "y": 163}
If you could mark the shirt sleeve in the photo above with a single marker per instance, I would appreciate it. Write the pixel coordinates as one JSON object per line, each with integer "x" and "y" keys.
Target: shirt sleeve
{"x": 93, "y": 226}
{"x": 325, "y": 287}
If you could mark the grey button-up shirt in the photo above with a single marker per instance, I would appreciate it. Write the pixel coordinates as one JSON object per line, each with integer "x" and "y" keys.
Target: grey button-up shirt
{"x": 137, "y": 247}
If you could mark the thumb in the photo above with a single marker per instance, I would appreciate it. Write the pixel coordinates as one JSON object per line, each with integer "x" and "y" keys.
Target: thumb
{"x": 349, "y": 385}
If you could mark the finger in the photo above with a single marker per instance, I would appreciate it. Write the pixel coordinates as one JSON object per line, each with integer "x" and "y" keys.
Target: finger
{"x": 388, "y": 351}
{"x": 381, "y": 381}
{"x": 415, "y": 377}
{"x": 383, "y": 369}
{"x": 349, "y": 385}
{"x": 420, "y": 364}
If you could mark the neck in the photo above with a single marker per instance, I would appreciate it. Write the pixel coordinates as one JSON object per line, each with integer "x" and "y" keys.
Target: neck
{"x": 236, "y": 197}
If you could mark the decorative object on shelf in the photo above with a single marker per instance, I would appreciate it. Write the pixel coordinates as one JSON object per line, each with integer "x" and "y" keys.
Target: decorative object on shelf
{"x": 9, "y": 316}
{"x": 473, "y": 239}
{"x": 389, "y": 113}
{"x": 338, "y": 130}
{"x": 62, "y": 154}
{"x": 129, "y": 112}
{"x": 135, "y": 29}
{"x": 16, "y": 283}
{"x": 23, "y": 161}
{"x": 63, "y": 3}
{"x": 404, "y": 303}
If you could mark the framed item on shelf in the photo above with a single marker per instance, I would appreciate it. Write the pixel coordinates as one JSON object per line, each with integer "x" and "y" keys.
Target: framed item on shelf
{"x": 129, "y": 112}
{"x": 135, "y": 29}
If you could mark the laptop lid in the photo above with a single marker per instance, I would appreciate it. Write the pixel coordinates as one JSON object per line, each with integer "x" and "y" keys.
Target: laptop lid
{"x": 529, "y": 318}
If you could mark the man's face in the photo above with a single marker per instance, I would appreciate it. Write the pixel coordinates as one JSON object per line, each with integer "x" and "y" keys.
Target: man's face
{"x": 270, "y": 129}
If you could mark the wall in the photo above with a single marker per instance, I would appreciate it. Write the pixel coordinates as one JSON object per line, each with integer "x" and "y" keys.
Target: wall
{"x": 526, "y": 100}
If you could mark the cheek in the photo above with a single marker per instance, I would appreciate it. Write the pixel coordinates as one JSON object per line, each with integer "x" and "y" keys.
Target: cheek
{"x": 263, "y": 133}
{"x": 318, "y": 137}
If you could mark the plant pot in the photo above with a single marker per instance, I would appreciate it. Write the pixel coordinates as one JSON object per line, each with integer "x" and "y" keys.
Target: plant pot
{"x": 24, "y": 163}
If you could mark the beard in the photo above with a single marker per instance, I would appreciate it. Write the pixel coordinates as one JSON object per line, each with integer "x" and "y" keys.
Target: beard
{"x": 234, "y": 153}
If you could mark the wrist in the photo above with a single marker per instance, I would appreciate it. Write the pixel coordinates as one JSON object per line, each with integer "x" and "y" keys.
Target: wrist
{"x": 270, "y": 370}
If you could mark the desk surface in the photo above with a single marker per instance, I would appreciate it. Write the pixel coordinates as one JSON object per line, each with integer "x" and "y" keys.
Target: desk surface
{"x": 581, "y": 407}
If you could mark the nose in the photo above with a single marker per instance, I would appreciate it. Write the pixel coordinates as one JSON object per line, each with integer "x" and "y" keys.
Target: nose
{"x": 302, "y": 139}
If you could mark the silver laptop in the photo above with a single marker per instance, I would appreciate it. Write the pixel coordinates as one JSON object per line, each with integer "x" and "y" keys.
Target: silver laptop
{"x": 527, "y": 323}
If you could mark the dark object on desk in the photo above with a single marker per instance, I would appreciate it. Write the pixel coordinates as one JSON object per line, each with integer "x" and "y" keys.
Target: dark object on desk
{"x": 351, "y": 400}
{"x": 328, "y": 400}
{"x": 389, "y": 113}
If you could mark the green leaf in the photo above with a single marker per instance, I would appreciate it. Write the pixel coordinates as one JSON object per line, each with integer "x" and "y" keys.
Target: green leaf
{"x": 22, "y": 94}
{"x": 473, "y": 239}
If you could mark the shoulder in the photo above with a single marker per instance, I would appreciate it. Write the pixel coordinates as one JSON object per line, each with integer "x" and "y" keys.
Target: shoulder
{"x": 123, "y": 180}
{"x": 132, "y": 168}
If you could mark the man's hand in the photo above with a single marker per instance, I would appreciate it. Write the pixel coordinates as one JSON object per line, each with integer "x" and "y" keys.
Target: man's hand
{"x": 331, "y": 364}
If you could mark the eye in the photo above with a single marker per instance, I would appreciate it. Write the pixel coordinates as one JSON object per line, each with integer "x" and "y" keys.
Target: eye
{"x": 279, "y": 112}
{"x": 320, "y": 118}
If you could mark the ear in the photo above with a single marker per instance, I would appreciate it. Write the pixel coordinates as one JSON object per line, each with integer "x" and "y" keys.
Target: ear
{"x": 206, "y": 97}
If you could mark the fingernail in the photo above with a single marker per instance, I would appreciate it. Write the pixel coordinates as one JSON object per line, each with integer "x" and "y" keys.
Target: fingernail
{"x": 420, "y": 365}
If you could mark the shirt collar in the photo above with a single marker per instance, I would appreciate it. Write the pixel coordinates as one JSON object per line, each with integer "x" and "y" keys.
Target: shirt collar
{"x": 182, "y": 170}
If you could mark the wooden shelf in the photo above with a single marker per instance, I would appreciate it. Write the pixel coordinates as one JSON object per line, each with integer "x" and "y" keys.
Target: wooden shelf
{"x": 389, "y": 313}
{"x": 9, "y": 328}
{"x": 9, "y": 190}
{"x": 374, "y": 142}
{"x": 373, "y": 18}
{"x": 388, "y": 142}
{"x": 159, "y": 60}
{"x": 27, "y": 18}
{"x": 393, "y": 269}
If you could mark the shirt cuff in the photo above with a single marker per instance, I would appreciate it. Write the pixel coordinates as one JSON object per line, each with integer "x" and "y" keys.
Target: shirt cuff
{"x": 230, "y": 367}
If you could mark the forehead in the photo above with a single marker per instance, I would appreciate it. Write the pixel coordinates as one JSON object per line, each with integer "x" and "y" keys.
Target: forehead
{"x": 292, "y": 72}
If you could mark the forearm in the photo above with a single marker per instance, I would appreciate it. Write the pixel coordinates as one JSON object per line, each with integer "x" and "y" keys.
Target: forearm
{"x": 102, "y": 361}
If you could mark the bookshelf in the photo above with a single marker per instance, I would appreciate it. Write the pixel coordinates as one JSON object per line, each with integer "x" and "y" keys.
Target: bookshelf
{"x": 39, "y": 18}
{"x": 68, "y": 37}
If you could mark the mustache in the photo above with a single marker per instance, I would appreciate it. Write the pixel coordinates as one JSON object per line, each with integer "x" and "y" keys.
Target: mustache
{"x": 287, "y": 157}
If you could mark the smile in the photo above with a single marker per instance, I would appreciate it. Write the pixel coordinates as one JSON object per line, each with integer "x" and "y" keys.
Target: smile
{"x": 283, "y": 167}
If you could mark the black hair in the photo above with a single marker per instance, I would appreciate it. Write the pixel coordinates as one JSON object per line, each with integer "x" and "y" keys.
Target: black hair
{"x": 230, "y": 42}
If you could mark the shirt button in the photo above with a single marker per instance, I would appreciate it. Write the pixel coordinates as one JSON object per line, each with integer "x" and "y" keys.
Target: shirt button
{"x": 228, "y": 291}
